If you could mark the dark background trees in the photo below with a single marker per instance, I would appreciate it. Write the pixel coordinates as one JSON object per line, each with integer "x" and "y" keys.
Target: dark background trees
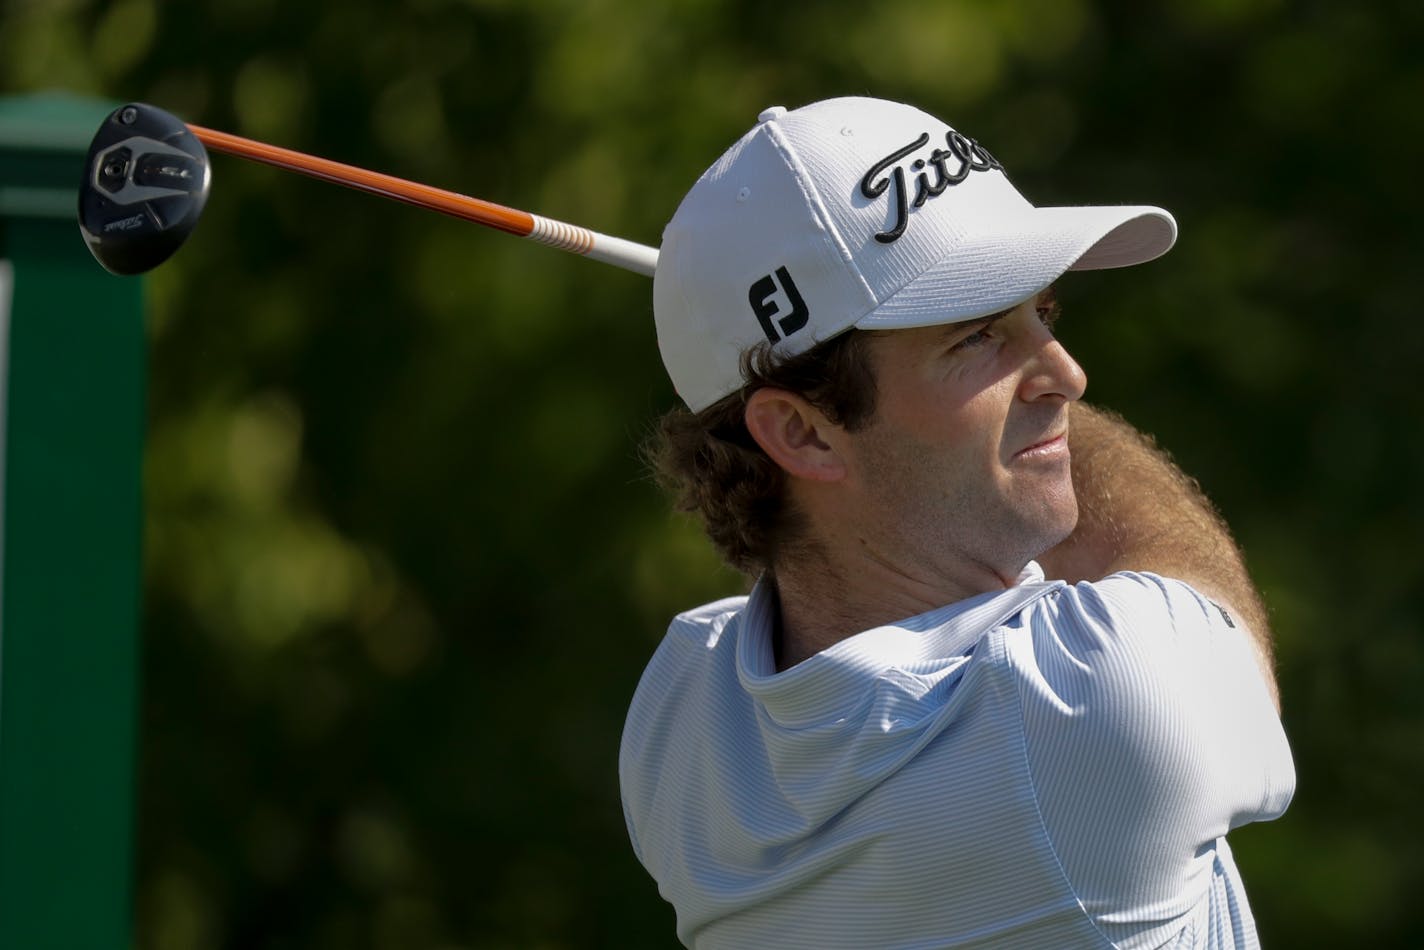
{"x": 403, "y": 565}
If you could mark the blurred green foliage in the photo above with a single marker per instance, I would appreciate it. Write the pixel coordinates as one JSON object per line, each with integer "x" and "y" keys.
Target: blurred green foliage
{"x": 404, "y": 565}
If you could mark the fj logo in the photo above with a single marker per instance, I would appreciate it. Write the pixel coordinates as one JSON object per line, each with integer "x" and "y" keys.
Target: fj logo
{"x": 762, "y": 297}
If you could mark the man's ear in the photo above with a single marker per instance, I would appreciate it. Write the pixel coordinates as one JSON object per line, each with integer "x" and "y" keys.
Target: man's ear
{"x": 795, "y": 434}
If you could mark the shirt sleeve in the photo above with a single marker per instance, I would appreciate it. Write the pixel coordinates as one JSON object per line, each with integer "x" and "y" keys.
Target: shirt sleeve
{"x": 1150, "y": 733}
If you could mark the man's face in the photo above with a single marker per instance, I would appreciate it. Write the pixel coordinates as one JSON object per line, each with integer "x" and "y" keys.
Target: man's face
{"x": 965, "y": 466}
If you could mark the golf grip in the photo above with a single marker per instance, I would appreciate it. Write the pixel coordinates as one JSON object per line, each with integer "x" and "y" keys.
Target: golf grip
{"x": 628, "y": 255}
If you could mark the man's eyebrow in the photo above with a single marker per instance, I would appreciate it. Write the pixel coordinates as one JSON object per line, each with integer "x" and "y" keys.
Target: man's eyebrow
{"x": 950, "y": 329}
{"x": 1047, "y": 297}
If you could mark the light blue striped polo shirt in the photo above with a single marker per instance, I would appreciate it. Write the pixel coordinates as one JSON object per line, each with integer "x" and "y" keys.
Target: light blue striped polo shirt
{"x": 1048, "y": 766}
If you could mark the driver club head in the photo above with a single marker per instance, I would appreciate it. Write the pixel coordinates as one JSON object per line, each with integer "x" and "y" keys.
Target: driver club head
{"x": 145, "y": 183}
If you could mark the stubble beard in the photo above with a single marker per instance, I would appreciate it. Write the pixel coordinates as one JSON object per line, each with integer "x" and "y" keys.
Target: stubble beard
{"x": 944, "y": 520}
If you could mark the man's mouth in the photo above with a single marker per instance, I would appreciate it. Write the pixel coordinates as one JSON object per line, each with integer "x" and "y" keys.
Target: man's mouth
{"x": 1053, "y": 445}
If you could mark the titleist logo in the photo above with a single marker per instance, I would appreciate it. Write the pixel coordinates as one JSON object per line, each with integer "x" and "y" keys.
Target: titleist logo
{"x": 951, "y": 166}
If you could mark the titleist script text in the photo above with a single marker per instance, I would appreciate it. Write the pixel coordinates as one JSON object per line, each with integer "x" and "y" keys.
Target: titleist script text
{"x": 967, "y": 154}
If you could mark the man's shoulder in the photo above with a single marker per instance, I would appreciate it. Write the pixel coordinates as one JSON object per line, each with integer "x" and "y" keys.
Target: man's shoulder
{"x": 1130, "y": 639}
{"x": 1128, "y": 595}
{"x": 710, "y": 614}
{"x": 683, "y": 698}
{"x": 696, "y": 641}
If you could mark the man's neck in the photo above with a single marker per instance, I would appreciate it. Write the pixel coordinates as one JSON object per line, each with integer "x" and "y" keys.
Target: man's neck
{"x": 823, "y": 602}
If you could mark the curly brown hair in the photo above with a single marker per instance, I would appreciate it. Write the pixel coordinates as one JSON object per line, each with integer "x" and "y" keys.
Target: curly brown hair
{"x": 711, "y": 464}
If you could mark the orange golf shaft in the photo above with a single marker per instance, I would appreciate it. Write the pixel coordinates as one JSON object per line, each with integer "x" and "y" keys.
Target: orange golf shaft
{"x": 488, "y": 213}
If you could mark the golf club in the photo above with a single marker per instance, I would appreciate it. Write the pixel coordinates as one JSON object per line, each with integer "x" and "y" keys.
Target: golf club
{"x": 146, "y": 180}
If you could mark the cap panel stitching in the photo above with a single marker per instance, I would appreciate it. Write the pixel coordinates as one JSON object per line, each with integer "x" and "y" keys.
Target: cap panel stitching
{"x": 823, "y": 217}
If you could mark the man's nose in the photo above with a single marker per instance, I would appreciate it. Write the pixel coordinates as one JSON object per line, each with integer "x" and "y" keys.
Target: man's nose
{"x": 1053, "y": 373}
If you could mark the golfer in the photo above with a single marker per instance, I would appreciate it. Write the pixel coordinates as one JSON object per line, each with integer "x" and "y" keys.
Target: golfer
{"x": 1002, "y": 679}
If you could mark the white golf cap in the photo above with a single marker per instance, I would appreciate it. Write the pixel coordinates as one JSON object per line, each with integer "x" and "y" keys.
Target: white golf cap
{"x": 862, "y": 213}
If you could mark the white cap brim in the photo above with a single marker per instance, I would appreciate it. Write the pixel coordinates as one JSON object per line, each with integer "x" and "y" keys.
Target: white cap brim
{"x": 992, "y": 269}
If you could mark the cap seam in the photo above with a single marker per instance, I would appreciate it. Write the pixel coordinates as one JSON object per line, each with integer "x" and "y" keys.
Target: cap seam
{"x": 686, "y": 305}
{"x": 808, "y": 191}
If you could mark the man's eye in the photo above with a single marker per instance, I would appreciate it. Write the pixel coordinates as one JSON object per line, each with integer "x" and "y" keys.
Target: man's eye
{"x": 977, "y": 338}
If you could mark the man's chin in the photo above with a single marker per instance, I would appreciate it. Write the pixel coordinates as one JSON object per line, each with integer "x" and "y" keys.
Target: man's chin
{"x": 1056, "y": 524}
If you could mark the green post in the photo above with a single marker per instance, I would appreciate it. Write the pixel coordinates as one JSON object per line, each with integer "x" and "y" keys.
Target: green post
{"x": 72, "y": 409}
